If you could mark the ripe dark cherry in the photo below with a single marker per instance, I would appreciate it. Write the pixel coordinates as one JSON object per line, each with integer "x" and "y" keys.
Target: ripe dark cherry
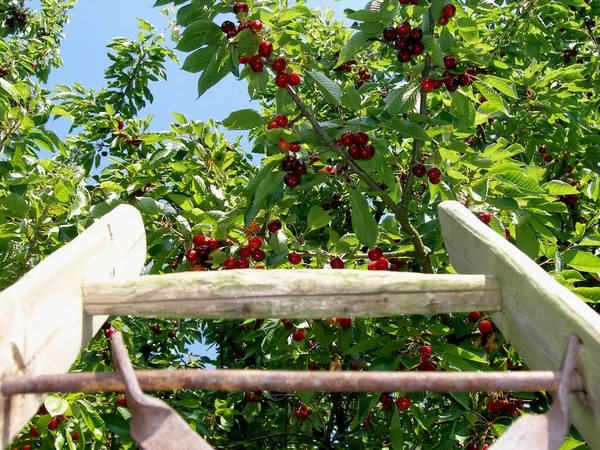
{"x": 281, "y": 80}
{"x": 404, "y": 55}
{"x": 389, "y": 34}
{"x": 374, "y": 253}
{"x": 449, "y": 62}
{"x": 230, "y": 263}
{"x": 278, "y": 65}
{"x": 274, "y": 225}
{"x": 281, "y": 120}
{"x": 242, "y": 264}
{"x": 291, "y": 180}
{"x": 255, "y": 242}
{"x": 434, "y": 172}
{"x": 419, "y": 170}
{"x": 298, "y": 335}
{"x": 256, "y": 25}
{"x": 288, "y": 163}
{"x": 403, "y": 29}
{"x": 443, "y": 21}
{"x": 417, "y": 49}
{"x": 402, "y": 43}
{"x": 336, "y": 263}
{"x": 239, "y": 7}
{"x": 485, "y": 327}
{"x": 347, "y": 138}
{"x": 258, "y": 255}
{"x": 228, "y": 27}
{"x": 448, "y": 11}
{"x": 473, "y": 317}
{"x": 294, "y": 147}
{"x": 257, "y": 65}
{"x": 361, "y": 138}
{"x": 299, "y": 167}
{"x": 427, "y": 84}
{"x": 265, "y": 48}
{"x": 295, "y": 258}
{"x": 245, "y": 251}
{"x": 294, "y": 79}
{"x": 403, "y": 403}
{"x": 355, "y": 151}
{"x": 416, "y": 34}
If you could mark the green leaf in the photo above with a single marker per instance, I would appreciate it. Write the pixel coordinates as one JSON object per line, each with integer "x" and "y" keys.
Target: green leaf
{"x": 418, "y": 414}
{"x": 180, "y": 118}
{"x": 402, "y": 99}
{"x": 582, "y": 261}
{"x": 198, "y": 60}
{"x": 396, "y": 432}
{"x": 318, "y": 217}
{"x": 329, "y": 88}
{"x": 521, "y": 181}
{"x": 245, "y": 119}
{"x": 557, "y": 187}
{"x": 148, "y": 205}
{"x": 247, "y": 43}
{"x": 62, "y": 192}
{"x": 501, "y": 85}
{"x": 363, "y": 223}
{"x": 199, "y": 33}
{"x": 527, "y": 240}
{"x": 15, "y": 204}
{"x": 462, "y": 353}
{"x": 56, "y": 405}
{"x": 432, "y": 46}
{"x": 350, "y": 98}
{"x": 409, "y": 129}
{"x": 352, "y": 47}
{"x": 278, "y": 242}
{"x": 463, "y": 110}
{"x": 215, "y": 71}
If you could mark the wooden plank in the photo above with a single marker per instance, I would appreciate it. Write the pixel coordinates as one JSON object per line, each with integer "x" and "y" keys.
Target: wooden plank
{"x": 538, "y": 314}
{"x": 43, "y": 327}
{"x": 239, "y": 294}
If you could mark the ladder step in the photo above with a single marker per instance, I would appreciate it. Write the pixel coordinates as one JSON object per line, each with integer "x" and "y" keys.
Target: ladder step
{"x": 291, "y": 380}
{"x": 299, "y": 294}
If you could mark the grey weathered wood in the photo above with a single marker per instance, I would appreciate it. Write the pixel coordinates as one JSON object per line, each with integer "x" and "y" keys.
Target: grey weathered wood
{"x": 291, "y": 293}
{"x": 538, "y": 314}
{"x": 43, "y": 327}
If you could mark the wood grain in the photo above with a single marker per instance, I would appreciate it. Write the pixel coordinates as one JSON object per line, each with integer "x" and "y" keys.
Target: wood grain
{"x": 239, "y": 294}
{"x": 43, "y": 327}
{"x": 538, "y": 314}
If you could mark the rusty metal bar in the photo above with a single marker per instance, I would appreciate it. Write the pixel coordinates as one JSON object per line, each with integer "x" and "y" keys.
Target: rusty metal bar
{"x": 290, "y": 381}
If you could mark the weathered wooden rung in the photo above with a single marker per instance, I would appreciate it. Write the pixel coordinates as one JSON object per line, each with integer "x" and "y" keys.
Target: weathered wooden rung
{"x": 242, "y": 294}
{"x": 291, "y": 381}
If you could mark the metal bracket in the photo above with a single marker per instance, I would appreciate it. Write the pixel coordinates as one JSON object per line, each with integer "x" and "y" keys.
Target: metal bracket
{"x": 154, "y": 424}
{"x": 546, "y": 431}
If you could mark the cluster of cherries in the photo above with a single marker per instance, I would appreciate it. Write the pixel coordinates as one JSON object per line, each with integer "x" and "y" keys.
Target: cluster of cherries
{"x": 387, "y": 401}
{"x": 485, "y": 326}
{"x": 447, "y": 12}
{"x": 295, "y": 168}
{"x": 252, "y": 397}
{"x": 246, "y": 251}
{"x": 302, "y": 412}
{"x": 16, "y": 18}
{"x": 358, "y": 145}
{"x": 498, "y": 407}
{"x": 378, "y": 262}
{"x": 434, "y": 174}
{"x": 199, "y": 255}
{"x": 348, "y": 66}
{"x": 406, "y": 40}
{"x": 450, "y": 80}
{"x": 425, "y": 363}
{"x": 280, "y": 121}
{"x": 265, "y": 48}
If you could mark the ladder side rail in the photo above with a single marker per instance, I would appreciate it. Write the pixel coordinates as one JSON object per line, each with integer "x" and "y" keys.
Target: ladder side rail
{"x": 538, "y": 314}
{"x": 43, "y": 327}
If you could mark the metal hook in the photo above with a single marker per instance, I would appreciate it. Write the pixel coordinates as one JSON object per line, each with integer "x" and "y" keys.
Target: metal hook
{"x": 154, "y": 424}
{"x": 546, "y": 431}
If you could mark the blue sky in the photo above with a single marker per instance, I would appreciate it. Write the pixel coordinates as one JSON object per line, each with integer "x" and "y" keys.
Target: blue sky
{"x": 95, "y": 22}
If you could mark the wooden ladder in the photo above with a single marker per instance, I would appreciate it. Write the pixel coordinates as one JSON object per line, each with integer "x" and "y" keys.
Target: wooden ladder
{"x": 49, "y": 316}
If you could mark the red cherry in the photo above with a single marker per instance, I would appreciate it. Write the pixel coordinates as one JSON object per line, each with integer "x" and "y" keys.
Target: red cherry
{"x": 256, "y": 25}
{"x": 278, "y": 65}
{"x": 361, "y": 138}
{"x": 449, "y": 62}
{"x": 274, "y": 225}
{"x": 281, "y": 80}
{"x": 245, "y": 251}
{"x": 228, "y": 27}
{"x": 33, "y": 432}
{"x": 389, "y": 34}
{"x": 404, "y": 55}
{"x": 258, "y": 255}
{"x": 240, "y": 7}
{"x": 485, "y": 217}
{"x": 425, "y": 350}
{"x": 257, "y": 64}
{"x": 403, "y": 29}
{"x": 212, "y": 243}
{"x": 255, "y": 242}
{"x": 344, "y": 322}
{"x": 443, "y": 21}
{"x": 434, "y": 172}
{"x": 110, "y": 332}
{"x": 427, "y": 84}
{"x": 448, "y": 11}
{"x": 298, "y": 335}
{"x": 272, "y": 126}
{"x": 281, "y": 120}
{"x": 403, "y": 403}
{"x": 291, "y": 180}
{"x": 75, "y": 435}
{"x": 402, "y": 43}
{"x": 381, "y": 264}
{"x": 230, "y": 263}
{"x": 242, "y": 264}
{"x": 199, "y": 240}
{"x": 122, "y": 401}
{"x": 288, "y": 163}
{"x": 294, "y": 147}
{"x": 419, "y": 170}
{"x": 265, "y": 49}
{"x": 347, "y": 138}
{"x": 375, "y": 253}
{"x": 416, "y": 34}
{"x": 295, "y": 258}
{"x": 336, "y": 263}
{"x": 417, "y": 49}
{"x": 53, "y": 424}
{"x": 294, "y": 79}
{"x": 485, "y": 327}
{"x": 473, "y": 316}
{"x": 284, "y": 145}
{"x": 472, "y": 446}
